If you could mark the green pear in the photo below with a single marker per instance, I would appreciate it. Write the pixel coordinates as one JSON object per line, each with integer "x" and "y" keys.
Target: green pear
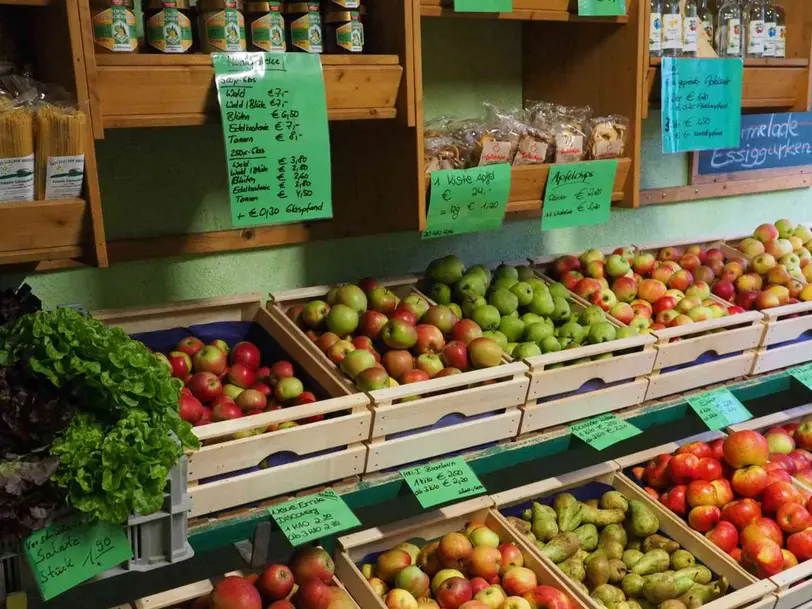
{"x": 601, "y": 333}
{"x": 503, "y": 282}
{"x": 537, "y": 284}
{"x": 497, "y": 337}
{"x": 470, "y": 285}
{"x": 487, "y": 317}
{"x": 561, "y": 310}
{"x": 504, "y": 270}
{"x": 506, "y": 301}
{"x": 471, "y": 304}
{"x": 512, "y": 328}
{"x": 550, "y": 345}
{"x": 542, "y": 304}
{"x": 447, "y": 270}
{"x": 523, "y": 292}
{"x": 525, "y": 350}
{"x": 524, "y": 272}
{"x": 559, "y": 290}
{"x": 531, "y": 318}
{"x": 481, "y": 270}
{"x": 626, "y": 332}
{"x": 440, "y": 293}
{"x": 593, "y": 314}
{"x": 537, "y": 332}
{"x": 572, "y": 330}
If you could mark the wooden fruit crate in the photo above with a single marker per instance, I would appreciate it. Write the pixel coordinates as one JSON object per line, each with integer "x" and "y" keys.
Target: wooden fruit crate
{"x": 790, "y": 415}
{"x": 360, "y": 547}
{"x": 224, "y": 473}
{"x": 422, "y": 420}
{"x": 591, "y": 483}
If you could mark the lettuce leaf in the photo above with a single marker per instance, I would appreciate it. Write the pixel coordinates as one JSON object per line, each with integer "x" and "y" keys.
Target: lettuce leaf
{"x": 27, "y": 500}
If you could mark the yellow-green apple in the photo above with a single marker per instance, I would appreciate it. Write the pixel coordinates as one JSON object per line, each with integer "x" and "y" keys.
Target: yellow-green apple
{"x": 763, "y": 263}
{"x": 661, "y": 272}
{"x": 640, "y": 324}
{"x": 378, "y": 586}
{"x": 453, "y": 592}
{"x": 605, "y": 299}
{"x": 781, "y": 291}
{"x": 511, "y": 557}
{"x": 382, "y": 300}
{"x": 566, "y": 263}
{"x": 484, "y": 353}
{"x": 765, "y": 555}
{"x": 625, "y": 288}
{"x": 766, "y": 300}
{"x": 353, "y": 297}
{"x": 397, "y": 334}
{"x": 751, "y": 247}
{"x": 286, "y": 390}
{"x": 651, "y": 290}
{"x": 428, "y": 560}
{"x": 718, "y": 310}
{"x": 681, "y": 280}
{"x": 357, "y": 361}
{"x": 724, "y": 535}
{"x": 518, "y": 580}
{"x": 400, "y": 599}
{"x": 465, "y": 331}
{"x": 492, "y": 596}
{"x": 623, "y": 312}
{"x": 779, "y": 440}
{"x": 181, "y": 364}
{"x": 668, "y": 253}
{"x": 342, "y": 320}
{"x": 617, "y": 265}
{"x": 485, "y": 562}
{"x": 586, "y": 287}
{"x": 232, "y": 391}
{"x": 604, "y": 283}
{"x": 704, "y": 273}
{"x": 805, "y": 256}
{"x": 481, "y": 535}
{"x": 785, "y": 228}
{"x": 590, "y": 255}
{"x": 595, "y": 269}
{"x": 413, "y": 580}
{"x": 699, "y": 289}
{"x": 627, "y": 253}
{"x": 429, "y": 363}
{"x": 644, "y": 263}
{"x": 665, "y": 317}
{"x": 686, "y": 304}
{"x": 765, "y": 232}
{"x": 210, "y": 359}
{"x": 803, "y": 233}
{"x": 741, "y": 512}
{"x": 642, "y": 308}
{"x": 314, "y": 314}
{"x": 689, "y": 261}
{"x": 678, "y": 294}
{"x": 700, "y": 313}
{"x": 515, "y": 602}
{"x": 791, "y": 261}
{"x": 747, "y": 447}
{"x": 704, "y": 518}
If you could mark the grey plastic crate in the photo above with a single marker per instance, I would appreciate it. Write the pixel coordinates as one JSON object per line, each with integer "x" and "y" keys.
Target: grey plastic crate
{"x": 11, "y": 569}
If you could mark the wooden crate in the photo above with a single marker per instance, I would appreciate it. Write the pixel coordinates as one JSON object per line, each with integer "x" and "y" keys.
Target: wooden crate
{"x": 790, "y": 415}
{"x": 494, "y": 394}
{"x": 749, "y": 591}
{"x": 221, "y": 454}
{"x": 355, "y": 548}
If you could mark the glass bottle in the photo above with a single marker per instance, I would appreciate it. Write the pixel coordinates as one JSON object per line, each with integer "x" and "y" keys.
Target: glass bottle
{"x": 655, "y": 32}
{"x": 780, "y": 32}
{"x": 706, "y": 20}
{"x": 672, "y": 29}
{"x": 729, "y": 29}
{"x": 770, "y": 29}
{"x": 754, "y": 14}
{"x": 690, "y": 29}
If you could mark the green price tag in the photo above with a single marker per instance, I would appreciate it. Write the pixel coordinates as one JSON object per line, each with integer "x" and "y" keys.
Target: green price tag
{"x": 604, "y": 431}
{"x": 578, "y": 194}
{"x": 601, "y": 8}
{"x": 442, "y": 481}
{"x": 467, "y": 200}
{"x": 70, "y": 552}
{"x": 483, "y": 6}
{"x": 277, "y": 142}
{"x": 313, "y": 517}
{"x": 702, "y": 102}
{"x": 719, "y": 408}
{"x": 803, "y": 374}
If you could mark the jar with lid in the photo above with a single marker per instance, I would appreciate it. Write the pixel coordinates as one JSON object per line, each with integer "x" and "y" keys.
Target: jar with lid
{"x": 265, "y": 26}
{"x": 114, "y": 29}
{"x": 222, "y": 26}
{"x": 344, "y": 31}
{"x": 304, "y": 27}
{"x": 168, "y": 26}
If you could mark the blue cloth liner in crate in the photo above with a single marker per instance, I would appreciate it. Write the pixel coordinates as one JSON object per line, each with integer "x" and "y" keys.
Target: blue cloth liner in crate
{"x": 590, "y": 385}
{"x": 802, "y": 338}
{"x": 705, "y": 358}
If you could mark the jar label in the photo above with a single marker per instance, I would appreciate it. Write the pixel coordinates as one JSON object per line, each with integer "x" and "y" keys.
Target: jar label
{"x": 17, "y": 179}
{"x": 690, "y": 34}
{"x": 305, "y": 33}
{"x": 114, "y": 29}
{"x": 268, "y": 33}
{"x": 781, "y": 41}
{"x": 607, "y": 149}
{"x": 755, "y": 37}
{"x": 350, "y": 36}
{"x": 734, "y": 37}
{"x": 64, "y": 176}
{"x": 169, "y": 31}
{"x": 226, "y": 30}
{"x": 770, "y": 36}
{"x": 655, "y": 34}
{"x": 672, "y": 31}
{"x": 494, "y": 152}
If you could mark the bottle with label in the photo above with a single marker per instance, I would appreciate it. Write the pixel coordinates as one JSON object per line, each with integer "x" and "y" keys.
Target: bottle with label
{"x": 304, "y": 27}
{"x": 344, "y": 31}
{"x": 672, "y": 29}
{"x": 265, "y": 26}
{"x": 690, "y": 29}
{"x": 729, "y": 29}
{"x": 222, "y": 26}
{"x": 754, "y": 19}
{"x": 168, "y": 26}
{"x": 706, "y": 20}
{"x": 655, "y": 30}
{"x": 780, "y": 31}
{"x": 114, "y": 28}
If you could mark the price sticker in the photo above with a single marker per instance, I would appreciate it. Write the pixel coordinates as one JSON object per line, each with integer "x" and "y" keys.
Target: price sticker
{"x": 70, "y": 552}
{"x": 719, "y": 408}
{"x": 442, "y": 481}
{"x": 601, "y": 8}
{"x": 803, "y": 374}
{"x": 578, "y": 194}
{"x": 313, "y": 517}
{"x": 467, "y": 200}
{"x": 702, "y": 100}
{"x": 604, "y": 431}
{"x": 483, "y": 6}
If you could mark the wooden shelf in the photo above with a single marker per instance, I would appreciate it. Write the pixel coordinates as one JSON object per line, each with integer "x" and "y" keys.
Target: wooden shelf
{"x": 43, "y": 230}
{"x": 25, "y": 2}
{"x": 784, "y": 62}
{"x": 174, "y": 90}
{"x": 523, "y": 10}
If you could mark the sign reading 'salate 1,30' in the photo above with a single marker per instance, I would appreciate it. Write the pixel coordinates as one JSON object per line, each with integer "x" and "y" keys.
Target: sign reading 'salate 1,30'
{"x": 277, "y": 142}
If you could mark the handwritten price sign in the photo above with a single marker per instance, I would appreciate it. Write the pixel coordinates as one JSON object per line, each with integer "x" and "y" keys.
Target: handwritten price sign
{"x": 70, "y": 552}
{"x": 467, "y": 200}
{"x": 601, "y": 8}
{"x": 442, "y": 482}
{"x": 719, "y": 408}
{"x": 578, "y": 194}
{"x": 604, "y": 431}
{"x": 313, "y": 517}
{"x": 483, "y": 6}
{"x": 803, "y": 374}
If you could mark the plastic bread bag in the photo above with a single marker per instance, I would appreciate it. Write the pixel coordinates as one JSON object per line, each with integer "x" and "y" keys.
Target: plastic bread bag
{"x": 500, "y": 136}
{"x": 570, "y": 127}
{"x": 62, "y": 135}
{"x": 536, "y": 145}
{"x": 607, "y": 137}
{"x": 442, "y": 152}
{"x": 437, "y": 127}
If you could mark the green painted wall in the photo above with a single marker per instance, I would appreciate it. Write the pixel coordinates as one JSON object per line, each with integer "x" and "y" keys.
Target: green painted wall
{"x": 166, "y": 181}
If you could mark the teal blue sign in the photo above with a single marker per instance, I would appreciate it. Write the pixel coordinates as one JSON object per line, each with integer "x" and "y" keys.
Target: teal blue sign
{"x": 701, "y": 100}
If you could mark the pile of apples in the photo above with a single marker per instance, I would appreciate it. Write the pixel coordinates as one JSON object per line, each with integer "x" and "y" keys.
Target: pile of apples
{"x": 222, "y": 383}
{"x": 516, "y": 308}
{"x": 381, "y": 341}
{"x": 306, "y": 583}
{"x": 777, "y": 270}
{"x": 470, "y": 569}
{"x": 739, "y": 492}
{"x": 645, "y": 291}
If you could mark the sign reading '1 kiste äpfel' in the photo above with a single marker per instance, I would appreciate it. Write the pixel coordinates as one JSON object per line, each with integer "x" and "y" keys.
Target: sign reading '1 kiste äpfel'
{"x": 274, "y": 114}
{"x": 701, "y": 101}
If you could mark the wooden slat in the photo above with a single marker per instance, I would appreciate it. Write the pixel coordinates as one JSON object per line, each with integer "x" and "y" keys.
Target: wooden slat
{"x": 26, "y": 2}
{"x": 153, "y": 61}
{"x": 675, "y": 194}
{"x": 42, "y": 224}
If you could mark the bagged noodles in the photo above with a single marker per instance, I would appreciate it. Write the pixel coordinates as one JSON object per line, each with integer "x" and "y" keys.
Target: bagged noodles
{"x": 62, "y": 135}
{"x": 16, "y": 152}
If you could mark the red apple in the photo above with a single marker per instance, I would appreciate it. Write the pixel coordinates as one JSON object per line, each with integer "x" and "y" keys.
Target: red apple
{"x": 800, "y": 544}
{"x": 453, "y": 592}
{"x": 210, "y": 359}
{"x": 749, "y": 481}
{"x": 747, "y": 447}
{"x": 251, "y": 399}
{"x": 485, "y": 562}
{"x": 189, "y": 345}
{"x": 724, "y": 290}
{"x": 546, "y": 597}
{"x": 225, "y": 411}
{"x": 511, "y": 557}
{"x": 235, "y": 592}
{"x": 724, "y": 535}
{"x": 181, "y": 364}
{"x": 777, "y": 494}
{"x": 190, "y": 408}
{"x": 793, "y": 518}
{"x": 657, "y": 474}
{"x": 675, "y": 499}
{"x": 455, "y": 355}
{"x": 311, "y": 562}
{"x": 241, "y": 375}
{"x": 429, "y": 340}
{"x": 717, "y": 449}
{"x": 518, "y": 580}
{"x": 703, "y": 518}
{"x": 741, "y": 512}
{"x": 465, "y": 331}
{"x": 205, "y": 386}
{"x": 397, "y": 363}
{"x": 801, "y": 459}
{"x": 700, "y": 492}
{"x": 313, "y": 594}
{"x": 683, "y": 468}
{"x": 247, "y": 353}
{"x": 276, "y": 581}
{"x": 761, "y": 528}
{"x": 414, "y": 376}
{"x": 404, "y": 315}
{"x": 724, "y": 493}
{"x": 709, "y": 468}
{"x": 765, "y": 555}
{"x": 371, "y": 323}
{"x": 700, "y": 449}
{"x": 454, "y": 551}
{"x": 280, "y": 370}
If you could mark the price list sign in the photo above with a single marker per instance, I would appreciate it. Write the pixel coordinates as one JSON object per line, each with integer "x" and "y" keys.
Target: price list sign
{"x": 442, "y": 482}
{"x": 313, "y": 517}
{"x": 604, "y": 431}
{"x": 483, "y": 6}
{"x": 601, "y": 8}
{"x": 467, "y": 200}
{"x": 803, "y": 374}
{"x": 578, "y": 194}
{"x": 719, "y": 408}
{"x": 277, "y": 141}
{"x": 702, "y": 100}
{"x": 70, "y": 552}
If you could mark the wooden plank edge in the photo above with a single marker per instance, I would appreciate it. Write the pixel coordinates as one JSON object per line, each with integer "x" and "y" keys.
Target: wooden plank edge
{"x": 675, "y": 194}
{"x": 201, "y": 59}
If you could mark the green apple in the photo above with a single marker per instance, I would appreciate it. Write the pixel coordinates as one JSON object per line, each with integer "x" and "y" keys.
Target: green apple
{"x": 470, "y": 285}
{"x": 486, "y": 317}
{"x": 503, "y": 282}
{"x": 542, "y": 304}
{"x": 332, "y": 295}
{"x": 537, "y": 332}
{"x": 440, "y": 293}
{"x": 446, "y": 270}
{"x": 550, "y": 345}
{"x": 512, "y": 328}
{"x": 469, "y": 305}
{"x": 455, "y": 308}
{"x": 559, "y": 290}
{"x": 561, "y": 310}
{"x": 504, "y": 300}
{"x": 537, "y": 284}
{"x": 497, "y": 336}
{"x": 342, "y": 320}
{"x": 572, "y": 330}
{"x": 524, "y": 272}
{"x": 639, "y": 323}
{"x": 626, "y": 332}
{"x": 525, "y": 350}
{"x": 601, "y": 333}
{"x": 504, "y": 270}
{"x": 523, "y": 292}
{"x": 355, "y": 362}
{"x": 786, "y": 228}
{"x": 593, "y": 314}
{"x": 531, "y": 318}
{"x": 353, "y": 297}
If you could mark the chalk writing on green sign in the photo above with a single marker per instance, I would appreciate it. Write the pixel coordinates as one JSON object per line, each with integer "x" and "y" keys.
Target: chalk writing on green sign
{"x": 603, "y": 431}
{"x": 803, "y": 374}
{"x": 442, "y": 481}
{"x": 601, "y": 8}
{"x": 483, "y": 6}
{"x": 701, "y": 100}
{"x": 719, "y": 408}
{"x": 70, "y": 552}
{"x": 313, "y": 517}
{"x": 467, "y": 200}
{"x": 578, "y": 194}
{"x": 277, "y": 142}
